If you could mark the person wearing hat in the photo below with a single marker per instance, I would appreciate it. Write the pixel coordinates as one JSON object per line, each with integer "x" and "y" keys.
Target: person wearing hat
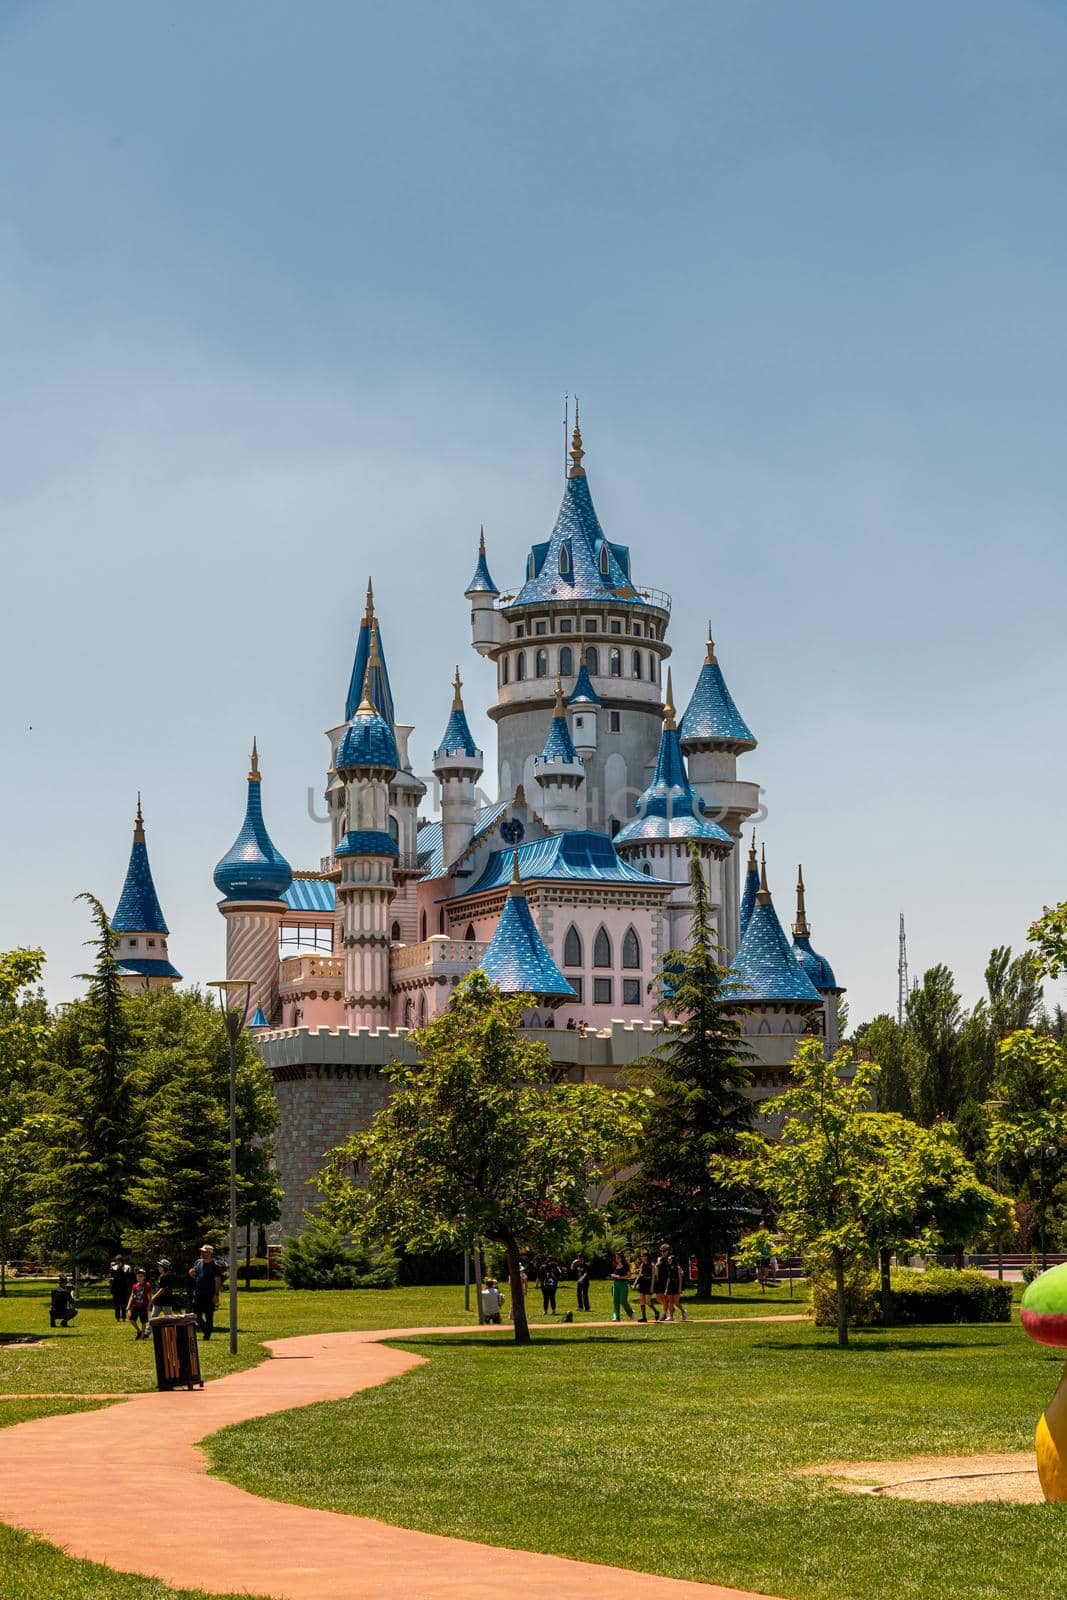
{"x": 163, "y": 1299}
{"x": 207, "y": 1279}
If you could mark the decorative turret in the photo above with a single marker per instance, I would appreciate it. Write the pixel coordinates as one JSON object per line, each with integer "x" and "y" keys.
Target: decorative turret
{"x": 816, "y": 967}
{"x": 516, "y": 958}
{"x": 748, "y": 899}
{"x": 138, "y": 921}
{"x": 457, "y": 765}
{"x": 671, "y": 810}
{"x": 766, "y": 970}
{"x": 560, "y": 772}
{"x": 713, "y": 734}
{"x": 252, "y": 878}
{"x": 482, "y": 593}
{"x": 584, "y": 703}
{"x": 365, "y": 857}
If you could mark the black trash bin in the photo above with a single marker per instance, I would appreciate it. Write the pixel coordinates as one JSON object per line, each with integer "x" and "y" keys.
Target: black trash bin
{"x": 176, "y": 1352}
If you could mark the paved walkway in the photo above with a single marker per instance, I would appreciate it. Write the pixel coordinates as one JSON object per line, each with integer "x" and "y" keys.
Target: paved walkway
{"x": 126, "y": 1486}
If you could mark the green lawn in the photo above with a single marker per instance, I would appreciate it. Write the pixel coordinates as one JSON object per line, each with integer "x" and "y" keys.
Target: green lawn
{"x": 669, "y": 1449}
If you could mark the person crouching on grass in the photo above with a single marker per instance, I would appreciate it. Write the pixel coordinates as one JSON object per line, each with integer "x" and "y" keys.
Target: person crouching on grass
{"x": 140, "y": 1303}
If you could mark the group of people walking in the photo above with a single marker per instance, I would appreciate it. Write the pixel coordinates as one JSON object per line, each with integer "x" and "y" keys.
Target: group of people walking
{"x": 136, "y": 1299}
{"x": 657, "y": 1280}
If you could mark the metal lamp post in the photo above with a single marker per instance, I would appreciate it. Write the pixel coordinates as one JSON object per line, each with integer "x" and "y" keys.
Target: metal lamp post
{"x": 1041, "y": 1152}
{"x": 235, "y": 995}
{"x": 998, "y": 1105}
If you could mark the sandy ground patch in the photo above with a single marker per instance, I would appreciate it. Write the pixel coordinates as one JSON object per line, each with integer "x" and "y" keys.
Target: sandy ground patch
{"x": 949, "y": 1480}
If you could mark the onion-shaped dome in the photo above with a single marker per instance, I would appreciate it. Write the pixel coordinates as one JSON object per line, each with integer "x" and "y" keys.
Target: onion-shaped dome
{"x": 481, "y": 583}
{"x": 252, "y": 868}
{"x": 138, "y": 910}
{"x": 516, "y": 958}
{"x": 368, "y": 741}
{"x": 670, "y": 807}
{"x": 711, "y": 716}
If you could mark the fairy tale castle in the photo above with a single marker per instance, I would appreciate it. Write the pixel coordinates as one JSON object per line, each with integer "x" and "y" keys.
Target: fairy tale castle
{"x": 569, "y": 886}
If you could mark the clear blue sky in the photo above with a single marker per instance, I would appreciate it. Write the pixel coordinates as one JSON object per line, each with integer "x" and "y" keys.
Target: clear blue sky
{"x": 290, "y": 294}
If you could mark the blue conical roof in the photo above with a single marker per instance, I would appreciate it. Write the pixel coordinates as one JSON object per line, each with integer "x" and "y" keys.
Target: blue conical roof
{"x": 670, "y": 807}
{"x": 138, "y": 909}
{"x": 765, "y": 967}
{"x": 559, "y": 746}
{"x": 578, "y": 562}
{"x": 481, "y": 583}
{"x": 381, "y": 694}
{"x": 516, "y": 958}
{"x": 457, "y": 739}
{"x": 748, "y": 898}
{"x": 257, "y": 1019}
{"x": 711, "y": 714}
{"x": 583, "y": 692}
{"x": 252, "y": 868}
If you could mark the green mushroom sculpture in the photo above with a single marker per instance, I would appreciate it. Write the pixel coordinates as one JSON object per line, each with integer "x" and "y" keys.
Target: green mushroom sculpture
{"x": 1044, "y": 1317}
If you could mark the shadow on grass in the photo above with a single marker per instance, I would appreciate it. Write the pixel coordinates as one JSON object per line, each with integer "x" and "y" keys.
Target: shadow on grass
{"x": 860, "y": 1345}
{"x": 490, "y": 1342}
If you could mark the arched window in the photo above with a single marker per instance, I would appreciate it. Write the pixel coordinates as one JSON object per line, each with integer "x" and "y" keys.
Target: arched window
{"x": 615, "y": 662}
{"x": 646, "y": 869}
{"x": 441, "y": 920}
{"x": 520, "y": 666}
{"x": 605, "y": 560}
{"x": 507, "y": 668}
{"x": 530, "y": 574}
{"x": 394, "y": 829}
{"x": 572, "y": 948}
{"x": 592, "y": 659}
{"x": 637, "y": 663}
{"x": 469, "y": 935}
{"x": 409, "y": 1012}
{"x": 394, "y": 933}
{"x": 541, "y": 663}
{"x": 652, "y": 667}
{"x": 564, "y": 561}
{"x": 631, "y": 949}
{"x": 602, "y": 948}
{"x": 422, "y": 926}
{"x": 422, "y": 1011}
{"x": 566, "y": 661}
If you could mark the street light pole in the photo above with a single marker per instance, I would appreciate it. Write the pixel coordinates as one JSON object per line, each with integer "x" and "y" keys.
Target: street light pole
{"x": 998, "y": 1105}
{"x": 234, "y": 1020}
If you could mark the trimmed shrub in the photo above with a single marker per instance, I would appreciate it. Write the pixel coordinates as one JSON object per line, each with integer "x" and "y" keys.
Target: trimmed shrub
{"x": 939, "y": 1294}
{"x": 319, "y": 1258}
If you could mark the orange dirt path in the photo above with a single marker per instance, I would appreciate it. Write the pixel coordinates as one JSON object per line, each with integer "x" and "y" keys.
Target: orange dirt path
{"x": 126, "y": 1486}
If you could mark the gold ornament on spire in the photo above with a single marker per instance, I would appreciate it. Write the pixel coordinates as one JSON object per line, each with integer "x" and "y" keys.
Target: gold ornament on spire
{"x": 560, "y": 710}
{"x": 800, "y": 927}
{"x": 577, "y": 470}
{"x": 457, "y": 685}
{"x": 366, "y": 707}
{"x": 752, "y": 853}
{"x": 515, "y": 886}
{"x": 481, "y": 540}
{"x": 368, "y": 615}
{"x": 668, "y": 704}
{"x": 253, "y": 771}
{"x": 763, "y": 895}
{"x": 709, "y": 659}
{"x": 138, "y": 823}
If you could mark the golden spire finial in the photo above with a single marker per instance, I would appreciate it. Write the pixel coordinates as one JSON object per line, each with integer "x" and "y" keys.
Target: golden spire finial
{"x": 457, "y": 685}
{"x": 763, "y": 895}
{"x": 253, "y": 771}
{"x": 368, "y": 615}
{"x": 577, "y": 470}
{"x": 668, "y": 704}
{"x": 481, "y": 540}
{"x": 800, "y": 927}
{"x": 515, "y": 886}
{"x": 374, "y": 658}
{"x": 709, "y": 659}
{"x": 138, "y": 823}
{"x": 752, "y": 853}
{"x": 560, "y": 710}
{"x": 366, "y": 707}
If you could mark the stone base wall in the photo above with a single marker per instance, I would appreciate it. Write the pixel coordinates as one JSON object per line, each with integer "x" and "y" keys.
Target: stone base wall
{"x": 319, "y": 1109}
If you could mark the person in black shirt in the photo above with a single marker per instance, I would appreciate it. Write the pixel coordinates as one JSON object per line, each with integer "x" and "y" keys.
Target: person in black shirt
{"x": 163, "y": 1299}
{"x": 206, "y": 1276}
{"x": 120, "y": 1282}
{"x": 643, "y": 1285}
{"x": 580, "y": 1268}
{"x": 548, "y": 1279}
{"x": 61, "y": 1307}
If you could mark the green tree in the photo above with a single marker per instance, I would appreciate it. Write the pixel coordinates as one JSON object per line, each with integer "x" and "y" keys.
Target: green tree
{"x": 476, "y": 1141}
{"x": 1048, "y": 939}
{"x": 815, "y": 1173}
{"x": 1028, "y": 1132}
{"x": 685, "y": 1187}
{"x": 86, "y": 1133}
{"x": 935, "y": 1017}
{"x": 893, "y": 1051}
{"x": 23, "y": 1036}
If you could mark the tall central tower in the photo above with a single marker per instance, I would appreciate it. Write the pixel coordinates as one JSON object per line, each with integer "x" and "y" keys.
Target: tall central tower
{"x": 577, "y": 592}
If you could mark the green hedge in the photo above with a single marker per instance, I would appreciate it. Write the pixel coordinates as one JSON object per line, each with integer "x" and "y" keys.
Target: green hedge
{"x": 940, "y": 1294}
{"x": 319, "y": 1258}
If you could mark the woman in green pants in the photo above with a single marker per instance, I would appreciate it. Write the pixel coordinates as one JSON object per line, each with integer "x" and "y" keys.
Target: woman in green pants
{"x": 620, "y": 1287}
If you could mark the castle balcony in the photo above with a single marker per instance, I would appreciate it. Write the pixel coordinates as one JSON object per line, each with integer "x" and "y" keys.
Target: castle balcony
{"x": 435, "y": 957}
{"x": 658, "y": 599}
{"x": 300, "y": 975}
{"x": 331, "y": 867}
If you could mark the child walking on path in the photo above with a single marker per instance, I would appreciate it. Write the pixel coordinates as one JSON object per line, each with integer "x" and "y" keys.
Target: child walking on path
{"x": 140, "y": 1303}
{"x": 620, "y": 1287}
